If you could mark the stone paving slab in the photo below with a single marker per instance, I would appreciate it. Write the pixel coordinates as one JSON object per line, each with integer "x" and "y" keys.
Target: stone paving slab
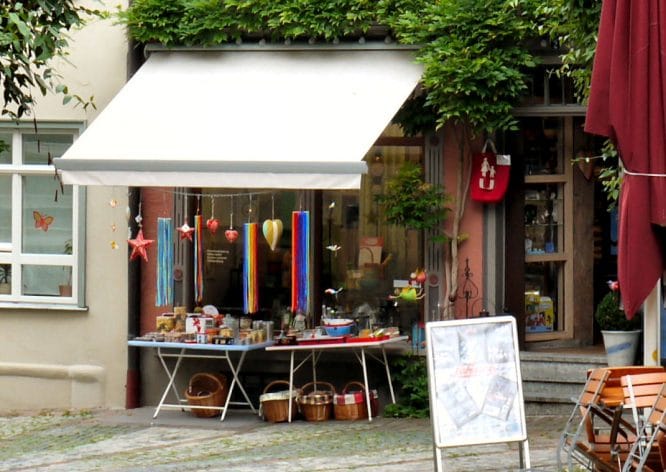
{"x": 176, "y": 441}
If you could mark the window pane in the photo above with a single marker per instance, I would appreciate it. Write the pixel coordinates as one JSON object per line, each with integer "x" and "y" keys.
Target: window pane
{"x": 5, "y": 208}
{"x": 47, "y": 224}
{"x": 544, "y": 216}
{"x": 45, "y": 280}
{"x": 5, "y": 148}
{"x": 543, "y": 293}
{"x": 37, "y": 147}
{"x": 540, "y": 143}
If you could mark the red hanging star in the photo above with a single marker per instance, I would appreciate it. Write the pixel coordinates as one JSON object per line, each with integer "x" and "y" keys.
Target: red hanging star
{"x": 185, "y": 231}
{"x": 139, "y": 245}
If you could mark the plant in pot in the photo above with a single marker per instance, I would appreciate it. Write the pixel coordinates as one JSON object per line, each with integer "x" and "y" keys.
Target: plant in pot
{"x": 66, "y": 288}
{"x": 621, "y": 335}
{"x": 5, "y": 279}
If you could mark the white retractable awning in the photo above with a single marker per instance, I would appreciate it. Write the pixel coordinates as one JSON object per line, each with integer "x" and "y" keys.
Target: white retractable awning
{"x": 245, "y": 119}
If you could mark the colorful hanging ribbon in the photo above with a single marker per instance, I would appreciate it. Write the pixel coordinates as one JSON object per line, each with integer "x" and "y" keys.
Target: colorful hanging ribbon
{"x": 164, "y": 294}
{"x": 250, "y": 284}
{"x": 198, "y": 259}
{"x": 300, "y": 261}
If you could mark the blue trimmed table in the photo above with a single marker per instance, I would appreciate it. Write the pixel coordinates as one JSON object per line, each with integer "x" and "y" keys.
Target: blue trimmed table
{"x": 181, "y": 351}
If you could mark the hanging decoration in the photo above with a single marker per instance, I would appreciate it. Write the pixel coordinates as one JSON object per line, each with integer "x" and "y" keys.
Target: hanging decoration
{"x": 212, "y": 223}
{"x": 139, "y": 246}
{"x": 250, "y": 283}
{"x": 113, "y": 203}
{"x": 231, "y": 234}
{"x": 165, "y": 258}
{"x": 42, "y": 221}
{"x": 490, "y": 174}
{"x": 198, "y": 259}
{"x": 185, "y": 231}
{"x": 300, "y": 261}
{"x": 272, "y": 228}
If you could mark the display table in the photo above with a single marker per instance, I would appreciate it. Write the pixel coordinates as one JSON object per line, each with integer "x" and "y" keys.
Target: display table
{"x": 358, "y": 348}
{"x": 180, "y": 351}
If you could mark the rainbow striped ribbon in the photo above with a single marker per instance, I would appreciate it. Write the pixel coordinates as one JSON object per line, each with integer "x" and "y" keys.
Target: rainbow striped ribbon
{"x": 164, "y": 295}
{"x": 300, "y": 261}
{"x": 250, "y": 283}
{"x": 198, "y": 259}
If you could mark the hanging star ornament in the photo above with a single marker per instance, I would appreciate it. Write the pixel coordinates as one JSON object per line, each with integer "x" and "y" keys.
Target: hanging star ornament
{"x": 139, "y": 246}
{"x": 185, "y": 231}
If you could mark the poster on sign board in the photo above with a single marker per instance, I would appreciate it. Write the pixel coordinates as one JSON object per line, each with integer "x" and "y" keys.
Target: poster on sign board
{"x": 474, "y": 379}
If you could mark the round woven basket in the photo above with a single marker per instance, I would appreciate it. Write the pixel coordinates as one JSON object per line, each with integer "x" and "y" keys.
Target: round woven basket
{"x": 275, "y": 405}
{"x": 316, "y": 405}
{"x": 207, "y": 390}
{"x": 350, "y": 404}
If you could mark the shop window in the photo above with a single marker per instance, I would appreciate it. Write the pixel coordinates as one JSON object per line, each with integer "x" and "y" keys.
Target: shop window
{"x": 39, "y": 223}
{"x": 352, "y": 249}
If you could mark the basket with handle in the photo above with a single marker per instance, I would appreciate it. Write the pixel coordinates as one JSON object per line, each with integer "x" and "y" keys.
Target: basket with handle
{"x": 351, "y": 404}
{"x": 274, "y": 405}
{"x": 207, "y": 390}
{"x": 317, "y": 404}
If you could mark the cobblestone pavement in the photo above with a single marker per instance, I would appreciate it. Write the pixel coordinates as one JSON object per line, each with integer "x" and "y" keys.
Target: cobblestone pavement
{"x": 176, "y": 441}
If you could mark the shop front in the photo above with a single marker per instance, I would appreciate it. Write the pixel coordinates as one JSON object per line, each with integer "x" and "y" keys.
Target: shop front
{"x": 256, "y": 171}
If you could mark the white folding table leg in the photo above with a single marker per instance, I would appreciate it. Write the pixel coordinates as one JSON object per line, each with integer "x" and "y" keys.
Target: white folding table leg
{"x": 172, "y": 378}
{"x": 367, "y": 388}
{"x": 236, "y": 381}
{"x": 291, "y": 383}
{"x": 388, "y": 374}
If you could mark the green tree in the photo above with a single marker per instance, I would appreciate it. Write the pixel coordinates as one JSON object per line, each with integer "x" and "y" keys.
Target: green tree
{"x": 32, "y": 33}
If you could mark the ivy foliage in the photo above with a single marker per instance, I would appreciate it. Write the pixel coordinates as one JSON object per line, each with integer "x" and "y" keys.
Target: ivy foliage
{"x": 474, "y": 56}
{"x": 573, "y": 25}
{"x": 472, "y": 52}
{"x": 32, "y": 33}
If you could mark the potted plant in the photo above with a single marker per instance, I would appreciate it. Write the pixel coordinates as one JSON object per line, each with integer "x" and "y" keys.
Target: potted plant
{"x": 5, "y": 279}
{"x": 621, "y": 335}
{"x": 66, "y": 288}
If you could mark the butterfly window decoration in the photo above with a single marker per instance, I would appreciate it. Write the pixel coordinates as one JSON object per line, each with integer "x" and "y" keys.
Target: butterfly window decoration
{"x": 42, "y": 221}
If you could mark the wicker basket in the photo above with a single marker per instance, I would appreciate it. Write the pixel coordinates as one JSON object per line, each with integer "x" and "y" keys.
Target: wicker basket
{"x": 209, "y": 390}
{"x": 274, "y": 406}
{"x": 350, "y": 404}
{"x": 317, "y": 405}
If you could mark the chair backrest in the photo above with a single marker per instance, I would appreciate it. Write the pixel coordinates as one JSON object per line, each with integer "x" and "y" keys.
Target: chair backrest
{"x": 641, "y": 390}
{"x": 593, "y": 388}
{"x": 612, "y": 391}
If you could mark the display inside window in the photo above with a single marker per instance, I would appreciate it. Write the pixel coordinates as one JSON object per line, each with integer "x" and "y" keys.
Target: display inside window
{"x": 271, "y": 254}
{"x": 543, "y": 286}
{"x": 541, "y": 145}
{"x": 544, "y": 215}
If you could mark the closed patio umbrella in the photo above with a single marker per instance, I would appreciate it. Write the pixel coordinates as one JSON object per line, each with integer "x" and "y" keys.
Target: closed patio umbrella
{"x": 628, "y": 105}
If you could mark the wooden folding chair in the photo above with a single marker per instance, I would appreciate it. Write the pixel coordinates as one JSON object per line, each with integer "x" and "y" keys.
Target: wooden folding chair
{"x": 594, "y": 414}
{"x": 571, "y": 445}
{"x": 643, "y": 393}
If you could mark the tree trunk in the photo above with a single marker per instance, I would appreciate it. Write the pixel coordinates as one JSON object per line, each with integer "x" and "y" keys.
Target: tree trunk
{"x": 463, "y": 177}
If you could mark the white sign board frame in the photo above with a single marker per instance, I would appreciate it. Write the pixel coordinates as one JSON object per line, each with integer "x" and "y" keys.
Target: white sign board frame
{"x": 475, "y": 384}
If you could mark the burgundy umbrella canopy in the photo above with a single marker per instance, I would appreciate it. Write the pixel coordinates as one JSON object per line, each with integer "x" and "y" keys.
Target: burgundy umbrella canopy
{"x": 628, "y": 105}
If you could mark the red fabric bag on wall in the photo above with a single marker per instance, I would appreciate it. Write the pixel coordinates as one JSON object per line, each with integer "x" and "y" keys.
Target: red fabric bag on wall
{"x": 490, "y": 175}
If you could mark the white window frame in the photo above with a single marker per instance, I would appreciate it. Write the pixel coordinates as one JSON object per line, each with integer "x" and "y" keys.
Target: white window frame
{"x": 11, "y": 253}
